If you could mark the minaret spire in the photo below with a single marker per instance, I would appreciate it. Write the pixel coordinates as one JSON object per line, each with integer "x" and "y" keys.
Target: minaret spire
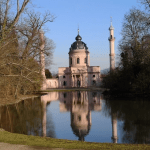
{"x": 78, "y": 30}
{"x": 112, "y": 47}
{"x": 111, "y": 21}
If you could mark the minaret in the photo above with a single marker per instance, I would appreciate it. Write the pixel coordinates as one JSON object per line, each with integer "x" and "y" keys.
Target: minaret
{"x": 42, "y": 59}
{"x": 112, "y": 47}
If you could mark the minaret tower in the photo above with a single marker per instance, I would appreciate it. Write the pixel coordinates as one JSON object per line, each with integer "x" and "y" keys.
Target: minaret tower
{"x": 112, "y": 47}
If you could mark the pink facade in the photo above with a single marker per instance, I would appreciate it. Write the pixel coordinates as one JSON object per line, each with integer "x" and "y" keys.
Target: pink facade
{"x": 79, "y": 73}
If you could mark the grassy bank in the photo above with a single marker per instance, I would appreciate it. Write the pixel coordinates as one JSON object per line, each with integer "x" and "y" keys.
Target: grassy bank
{"x": 9, "y": 100}
{"x": 12, "y": 138}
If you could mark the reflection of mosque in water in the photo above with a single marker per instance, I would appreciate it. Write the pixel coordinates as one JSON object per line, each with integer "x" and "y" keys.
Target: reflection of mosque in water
{"x": 80, "y": 104}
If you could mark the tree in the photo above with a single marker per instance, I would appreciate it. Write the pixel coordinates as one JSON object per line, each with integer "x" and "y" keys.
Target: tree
{"x": 48, "y": 74}
{"x": 20, "y": 50}
{"x": 133, "y": 72}
{"x": 146, "y": 3}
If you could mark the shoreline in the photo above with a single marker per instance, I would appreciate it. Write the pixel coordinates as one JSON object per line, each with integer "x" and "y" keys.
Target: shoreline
{"x": 118, "y": 94}
{"x": 40, "y": 93}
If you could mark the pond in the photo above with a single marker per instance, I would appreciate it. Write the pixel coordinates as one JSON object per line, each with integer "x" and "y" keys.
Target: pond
{"x": 80, "y": 115}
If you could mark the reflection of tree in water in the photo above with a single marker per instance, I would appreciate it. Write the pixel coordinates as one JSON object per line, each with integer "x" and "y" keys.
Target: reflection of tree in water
{"x": 135, "y": 117}
{"x": 24, "y": 117}
{"x": 50, "y": 132}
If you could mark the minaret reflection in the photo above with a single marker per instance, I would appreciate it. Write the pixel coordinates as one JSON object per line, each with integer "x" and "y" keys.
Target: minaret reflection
{"x": 114, "y": 128}
{"x": 80, "y": 104}
{"x": 46, "y": 99}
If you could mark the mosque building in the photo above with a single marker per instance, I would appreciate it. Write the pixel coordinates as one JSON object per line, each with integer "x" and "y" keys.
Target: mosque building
{"x": 79, "y": 73}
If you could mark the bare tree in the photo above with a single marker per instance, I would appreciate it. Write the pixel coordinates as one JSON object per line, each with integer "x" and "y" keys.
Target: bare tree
{"x": 20, "y": 49}
{"x": 146, "y": 3}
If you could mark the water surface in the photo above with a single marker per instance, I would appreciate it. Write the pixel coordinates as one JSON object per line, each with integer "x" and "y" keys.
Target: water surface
{"x": 80, "y": 115}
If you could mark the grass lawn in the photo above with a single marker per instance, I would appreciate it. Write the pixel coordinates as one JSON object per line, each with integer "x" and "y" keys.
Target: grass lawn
{"x": 13, "y": 138}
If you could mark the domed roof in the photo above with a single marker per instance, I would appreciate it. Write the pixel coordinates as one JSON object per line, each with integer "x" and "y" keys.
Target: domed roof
{"x": 81, "y": 133}
{"x": 78, "y": 44}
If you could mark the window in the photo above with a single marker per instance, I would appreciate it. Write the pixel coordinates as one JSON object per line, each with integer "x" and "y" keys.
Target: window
{"x": 93, "y": 76}
{"x": 94, "y": 82}
{"x": 64, "y": 83}
{"x": 65, "y": 95}
{"x": 79, "y": 118}
{"x": 64, "y": 77}
{"x": 85, "y": 61}
{"x": 78, "y": 61}
{"x": 71, "y": 61}
{"x": 94, "y": 94}
{"x": 87, "y": 117}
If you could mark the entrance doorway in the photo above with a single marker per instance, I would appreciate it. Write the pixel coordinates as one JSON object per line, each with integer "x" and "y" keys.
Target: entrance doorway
{"x": 78, "y": 83}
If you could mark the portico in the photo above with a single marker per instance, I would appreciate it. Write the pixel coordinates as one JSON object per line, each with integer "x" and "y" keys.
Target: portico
{"x": 77, "y": 80}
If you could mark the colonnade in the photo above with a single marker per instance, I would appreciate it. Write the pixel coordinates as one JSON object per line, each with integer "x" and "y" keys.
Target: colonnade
{"x": 75, "y": 80}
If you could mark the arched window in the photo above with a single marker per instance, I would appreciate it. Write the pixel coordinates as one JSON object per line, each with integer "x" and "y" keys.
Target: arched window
{"x": 85, "y": 61}
{"x": 65, "y": 95}
{"x": 78, "y": 61}
{"x": 71, "y": 61}
{"x": 87, "y": 117}
{"x": 79, "y": 117}
{"x": 65, "y": 83}
{"x": 94, "y": 82}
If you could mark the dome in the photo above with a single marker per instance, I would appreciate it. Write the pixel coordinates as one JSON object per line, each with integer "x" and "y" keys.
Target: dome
{"x": 81, "y": 133}
{"x": 78, "y": 44}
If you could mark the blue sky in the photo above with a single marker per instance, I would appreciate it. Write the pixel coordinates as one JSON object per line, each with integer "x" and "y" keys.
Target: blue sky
{"x": 93, "y": 19}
